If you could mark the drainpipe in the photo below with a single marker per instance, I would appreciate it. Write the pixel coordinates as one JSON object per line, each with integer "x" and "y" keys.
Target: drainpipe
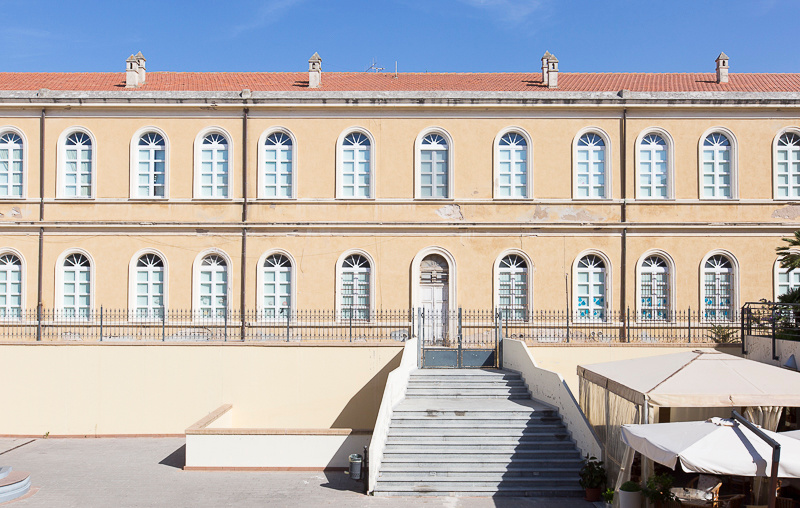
{"x": 243, "y": 273}
{"x": 623, "y": 218}
{"x": 40, "y": 267}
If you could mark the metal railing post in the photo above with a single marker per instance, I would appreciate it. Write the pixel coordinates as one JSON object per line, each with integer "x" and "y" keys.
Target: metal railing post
{"x": 420, "y": 317}
{"x": 163, "y": 324}
{"x": 628, "y": 324}
{"x": 460, "y": 331}
{"x": 744, "y": 349}
{"x": 689, "y": 321}
{"x": 225, "y": 324}
{"x": 351, "y": 324}
{"x": 101, "y": 323}
{"x": 775, "y": 312}
{"x": 39, "y": 322}
{"x": 288, "y": 324}
{"x": 567, "y": 339}
{"x": 498, "y": 338}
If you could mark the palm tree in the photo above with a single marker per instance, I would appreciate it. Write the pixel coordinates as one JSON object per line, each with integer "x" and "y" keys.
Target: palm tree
{"x": 789, "y": 255}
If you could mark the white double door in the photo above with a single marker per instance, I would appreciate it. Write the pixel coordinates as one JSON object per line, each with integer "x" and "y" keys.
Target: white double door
{"x": 434, "y": 301}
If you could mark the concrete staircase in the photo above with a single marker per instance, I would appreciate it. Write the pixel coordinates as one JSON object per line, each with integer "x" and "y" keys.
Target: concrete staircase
{"x": 465, "y": 432}
{"x": 13, "y": 484}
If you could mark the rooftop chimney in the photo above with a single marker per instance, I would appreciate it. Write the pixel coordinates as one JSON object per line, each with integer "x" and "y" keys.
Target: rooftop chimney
{"x": 140, "y": 60}
{"x": 722, "y": 68}
{"x": 314, "y": 71}
{"x": 545, "y": 59}
{"x": 552, "y": 72}
{"x": 131, "y": 72}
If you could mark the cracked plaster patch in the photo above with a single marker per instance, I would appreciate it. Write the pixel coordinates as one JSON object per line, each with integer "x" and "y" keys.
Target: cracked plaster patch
{"x": 566, "y": 213}
{"x": 791, "y": 212}
{"x": 452, "y": 212}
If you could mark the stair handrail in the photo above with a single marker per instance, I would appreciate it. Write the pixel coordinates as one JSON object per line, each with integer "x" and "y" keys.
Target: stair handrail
{"x": 394, "y": 392}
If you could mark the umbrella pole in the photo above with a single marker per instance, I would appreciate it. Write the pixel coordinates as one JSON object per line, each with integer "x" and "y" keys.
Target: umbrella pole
{"x": 776, "y": 455}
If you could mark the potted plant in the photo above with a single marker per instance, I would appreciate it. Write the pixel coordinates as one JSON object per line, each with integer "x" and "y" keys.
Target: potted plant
{"x": 608, "y": 497}
{"x": 656, "y": 489}
{"x": 593, "y": 477}
{"x": 630, "y": 495}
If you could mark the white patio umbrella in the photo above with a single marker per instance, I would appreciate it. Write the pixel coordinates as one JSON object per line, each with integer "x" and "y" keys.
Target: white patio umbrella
{"x": 718, "y": 446}
{"x": 791, "y": 433}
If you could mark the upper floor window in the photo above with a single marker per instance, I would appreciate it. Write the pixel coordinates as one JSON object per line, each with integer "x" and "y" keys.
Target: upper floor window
{"x": 151, "y": 166}
{"x": 511, "y": 166}
{"x": 653, "y": 167}
{"x": 212, "y": 165}
{"x": 786, "y": 158}
{"x": 276, "y": 277}
{"x": 355, "y": 280}
{"x": 355, "y": 166}
{"x": 590, "y": 287}
{"x": 277, "y": 166}
{"x": 77, "y": 165}
{"x": 434, "y": 160}
{"x": 76, "y": 294}
{"x": 11, "y": 160}
{"x": 591, "y": 167}
{"x": 512, "y": 287}
{"x": 149, "y": 291}
{"x": 10, "y": 286}
{"x": 718, "y": 160}
{"x": 718, "y": 288}
{"x": 654, "y": 288}
{"x": 785, "y": 279}
{"x": 212, "y": 286}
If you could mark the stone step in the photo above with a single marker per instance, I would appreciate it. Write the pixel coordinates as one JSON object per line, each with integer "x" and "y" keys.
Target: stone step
{"x": 489, "y": 463}
{"x": 468, "y": 454}
{"x": 462, "y": 396}
{"x": 463, "y": 372}
{"x": 540, "y": 469}
{"x": 465, "y": 491}
{"x": 440, "y": 415}
{"x": 471, "y": 385}
{"x": 475, "y": 480}
{"x": 480, "y": 432}
{"x": 14, "y": 484}
{"x": 420, "y": 445}
{"x": 448, "y": 390}
{"x": 432, "y": 439}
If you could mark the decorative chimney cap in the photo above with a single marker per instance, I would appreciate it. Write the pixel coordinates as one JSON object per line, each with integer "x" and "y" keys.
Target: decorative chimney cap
{"x": 546, "y": 55}
{"x": 552, "y": 58}
{"x": 722, "y": 56}
{"x": 315, "y": 58}
{"x": 131, "y": 59}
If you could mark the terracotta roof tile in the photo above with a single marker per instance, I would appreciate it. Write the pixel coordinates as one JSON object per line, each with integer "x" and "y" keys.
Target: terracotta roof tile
{"x": 410, "y": 82}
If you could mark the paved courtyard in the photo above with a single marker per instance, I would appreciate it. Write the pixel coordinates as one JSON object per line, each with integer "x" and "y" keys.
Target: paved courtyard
{"x": 145, "y": 472}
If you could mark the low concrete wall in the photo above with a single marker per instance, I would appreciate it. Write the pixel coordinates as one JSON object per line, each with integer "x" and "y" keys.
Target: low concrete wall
{"x": 550, "y": 387}
{"x": 760, "y": 350}
{"x": 213, "y": 443}
{"x": 161, "y": 389}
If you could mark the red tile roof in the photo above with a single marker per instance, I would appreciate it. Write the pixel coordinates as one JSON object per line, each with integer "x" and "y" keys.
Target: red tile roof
{"x": 410, "y": 82}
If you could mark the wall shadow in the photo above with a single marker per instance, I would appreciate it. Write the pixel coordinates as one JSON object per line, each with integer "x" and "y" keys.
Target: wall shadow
{"x": 175, "y": 459}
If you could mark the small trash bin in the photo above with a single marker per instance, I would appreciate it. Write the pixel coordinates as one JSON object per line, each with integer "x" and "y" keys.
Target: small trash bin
{"x": 355, "y": 466}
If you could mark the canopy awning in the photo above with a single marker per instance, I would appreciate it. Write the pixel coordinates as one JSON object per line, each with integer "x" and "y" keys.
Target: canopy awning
{"x": 700, "y": 378}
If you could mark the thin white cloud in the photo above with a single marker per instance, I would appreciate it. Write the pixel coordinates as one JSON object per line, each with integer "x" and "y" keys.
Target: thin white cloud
{"x": 269, "y": 12}
{"x": 507, "y": 10}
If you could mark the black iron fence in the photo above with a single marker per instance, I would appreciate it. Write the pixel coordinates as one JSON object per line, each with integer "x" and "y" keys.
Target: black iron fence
{"x": 476, "y": 327}
{"x": 776, "y": 321}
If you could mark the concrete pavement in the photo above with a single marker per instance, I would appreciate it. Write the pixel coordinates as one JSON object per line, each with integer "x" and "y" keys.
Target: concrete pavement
{"x": 146, "y": 472}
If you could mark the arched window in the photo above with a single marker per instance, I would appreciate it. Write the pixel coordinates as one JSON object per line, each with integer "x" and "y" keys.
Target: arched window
{"x": 10, "y": 286}
{"x": 433, "y": 167}
{"x": 151, "y": 166}
{"x": 76, "y": 294}
{"x": 277, "y": 166}
{"x": 355, "y": 287}
{"x": 355, "y": 166}
{"x": 150, "y": 282}
{"x": 11, "y": 161}
{"x": 654, "y": 290}
{"x": 717, "y": 174}
{"x": 212, "y": 174}
{"x": 718, "y": 289}
{"x": 787, "y": 166}
{"x": 511, "y": 166}
{"x": 590, "y": 287}
{"x": 77, "y": 161}
{"x": 653, "y": 168}
{"x": 591, "y": 178}
{"x": 277, "y": 286}
{"x": 512, "y": 290}
{"x": 212, "y": 286}
{"x": 785, "y": 279}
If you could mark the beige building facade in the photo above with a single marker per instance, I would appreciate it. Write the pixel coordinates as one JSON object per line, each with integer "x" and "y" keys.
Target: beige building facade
{"x": 654, "y": 193}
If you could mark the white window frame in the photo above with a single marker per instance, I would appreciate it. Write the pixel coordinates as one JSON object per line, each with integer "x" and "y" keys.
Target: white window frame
{"x": 734, "y": 283}
{"x": 260, "y": 283}
{"x": 670, "y": 149}
{"x": 132, "y": 281}
{"x": 775, "y": 148}
{"x": 671, "y": 299}
{"x": 198, "y": 164}
{"x": 418, "y": 164}
{"x": 452, "y": 279}
{"x": 22, "y": 268}
{"x": 733, "y": 161}
{"x": 608, "y": 283}
{"x": 59, "y": 278}
{"x": 134, "y": 164}
{"x": 529, "y": 279}
{"x": 339, "y": 271}
{"x": 607, "y": 167}
{"x": 777, "y": 271}
{"x": 196, "y": 269}
{"x": 62, "y": 160}
{"x": 10, "y": 128}
{"x": 528, "y": 163}
{"x": 262, "y": 161}
{"x": 340, "y": 162}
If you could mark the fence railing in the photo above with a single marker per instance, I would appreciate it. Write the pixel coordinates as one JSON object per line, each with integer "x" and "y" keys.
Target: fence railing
{"x": 478, "y": 326}
{"x": 777, "y": 321}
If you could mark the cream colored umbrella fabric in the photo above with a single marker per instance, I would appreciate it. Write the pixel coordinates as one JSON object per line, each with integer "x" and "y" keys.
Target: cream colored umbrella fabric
{"x": 700, "y": 378}
{"x": 718, "y": 446}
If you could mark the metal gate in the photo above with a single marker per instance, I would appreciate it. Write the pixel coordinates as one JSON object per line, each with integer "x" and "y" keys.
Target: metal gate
{"x": 459, "y": 340}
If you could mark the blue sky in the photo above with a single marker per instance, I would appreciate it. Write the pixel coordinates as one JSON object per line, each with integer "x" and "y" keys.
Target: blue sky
{"x": 432, "y": 35}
